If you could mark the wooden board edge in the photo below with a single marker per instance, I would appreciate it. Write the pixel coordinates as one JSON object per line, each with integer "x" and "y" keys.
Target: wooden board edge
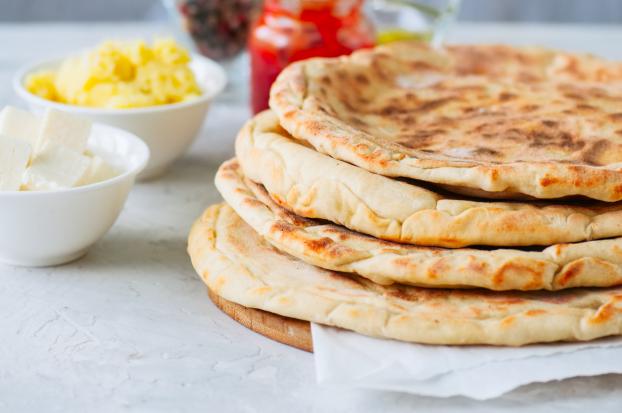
{"x": 285, "y": 330}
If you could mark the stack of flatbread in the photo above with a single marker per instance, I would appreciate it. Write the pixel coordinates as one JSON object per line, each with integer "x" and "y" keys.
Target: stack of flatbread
{"x": 459, "y": 196}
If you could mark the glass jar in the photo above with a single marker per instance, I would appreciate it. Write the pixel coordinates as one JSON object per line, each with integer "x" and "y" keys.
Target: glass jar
{"x": 291, "y": 30}
{"x": 425, "y": 20}
{"x": 219, "y": 28}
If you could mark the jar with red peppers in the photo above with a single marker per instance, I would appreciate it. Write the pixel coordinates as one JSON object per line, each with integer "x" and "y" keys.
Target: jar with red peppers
{"x": 291, "y": 30}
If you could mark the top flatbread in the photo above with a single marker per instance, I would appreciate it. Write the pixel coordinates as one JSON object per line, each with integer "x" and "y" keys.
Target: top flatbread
{"x": 492, "y": 120}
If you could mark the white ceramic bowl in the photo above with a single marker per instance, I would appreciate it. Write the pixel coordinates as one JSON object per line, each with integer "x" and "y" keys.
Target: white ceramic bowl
{"x": 168, "y": 130}
{"x": 54, "y": 227}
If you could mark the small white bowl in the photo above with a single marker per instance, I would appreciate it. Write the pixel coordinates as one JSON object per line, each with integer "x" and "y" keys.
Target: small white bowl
{"x": 55, "y": 227}
{"x": 168, "y": 130}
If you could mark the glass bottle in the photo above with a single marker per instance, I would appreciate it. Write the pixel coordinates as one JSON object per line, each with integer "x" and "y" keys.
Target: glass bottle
{"x": 291, "y": 30}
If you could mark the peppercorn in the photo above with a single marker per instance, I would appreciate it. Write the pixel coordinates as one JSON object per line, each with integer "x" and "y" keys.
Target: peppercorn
{"x": 219, "y": 28}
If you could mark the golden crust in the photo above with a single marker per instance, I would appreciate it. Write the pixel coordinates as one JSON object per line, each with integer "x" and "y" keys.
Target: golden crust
{"x": 239, "y": 265}
{"x": 314, "y": 185}
{"x": 591, "y": 264}
{"x": 495, "y": 118}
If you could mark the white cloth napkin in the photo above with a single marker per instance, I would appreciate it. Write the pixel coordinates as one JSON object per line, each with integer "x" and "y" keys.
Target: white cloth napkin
{"x": 344, "y": 358}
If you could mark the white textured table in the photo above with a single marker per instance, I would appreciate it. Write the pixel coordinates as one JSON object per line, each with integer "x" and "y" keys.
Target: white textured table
{"x": 129, "y": 327}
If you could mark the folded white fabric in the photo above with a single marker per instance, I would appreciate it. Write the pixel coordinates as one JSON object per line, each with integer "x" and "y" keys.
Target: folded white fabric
{"x": 344, "y": 358}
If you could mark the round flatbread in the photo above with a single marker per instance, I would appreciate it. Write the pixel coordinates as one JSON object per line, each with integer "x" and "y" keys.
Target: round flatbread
{"x": 591, "y": 264}
{"x": 489, "y": 120}
{"x": 315, "y": 185}
{"x": 240, "y": 266}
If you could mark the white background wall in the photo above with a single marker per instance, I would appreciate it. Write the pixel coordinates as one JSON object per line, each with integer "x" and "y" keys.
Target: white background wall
{"x": 585, "y": 11}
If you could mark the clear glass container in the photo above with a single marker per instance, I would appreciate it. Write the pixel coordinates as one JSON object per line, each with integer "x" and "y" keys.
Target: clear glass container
{"x": 219, "y": 29}
{"x": 425, "y": 20}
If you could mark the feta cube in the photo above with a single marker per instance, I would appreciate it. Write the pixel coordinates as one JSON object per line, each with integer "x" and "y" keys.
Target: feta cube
{"x": 56, "y": 167}
{"x": 20, "y": 124}
{"x": 14, "y": 158}
{"x": 98, "y": 171}
{"x": 59, "y": 128}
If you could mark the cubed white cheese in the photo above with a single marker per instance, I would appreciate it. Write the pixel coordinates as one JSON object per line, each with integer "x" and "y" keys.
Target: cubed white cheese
{"x": 59, "y": 128}
{"x": 20, "y": 124}
{"x": 56, "y": 167}
{"x": 14, "y": 158}
{"x": 98, "y": 171}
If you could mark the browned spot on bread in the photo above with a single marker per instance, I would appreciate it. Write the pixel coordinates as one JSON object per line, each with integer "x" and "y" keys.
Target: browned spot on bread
{"x": 283, "y": 227}
{"x": 486, "y": 152}
{"x": 529, "y": 107}
{"x": 506, "y": 300}
{"x": 432, "y": 104}
{"x": 567, "y": 141}
{"x": 540, "y": 138}
{"x": 479, "y": 128}
{"x": 252, "y": 202}
{"x": 379, "y": 70}
{"x": 508, "y": 321}
{"x": 437, "y": 269}
{"x": 512, "y": 269}
{"x": 419, "y": 139}
{"x": 362, "y": 100}
{"x": 393, "y": 110}
{"x": 593, "y": 155}
{"x": 585, "y": 107}
{"x": 449, "y": 241}
{"x": 314, "y": 126}
{"x": 217, "y": 284}
{"x": 354, "y": 313}
{"x": 616, "y": 117}
{"x": 279, "y": 200}
{"x": 231, "y": 167}
{"x": 505, "y": 96}
{"x": 607, "y": 311}
{"x": 550, "y": 123}
{"x": 398, "y": 293}
{"x": 532, "y": 313}
{"x": 362, "y": 79}
{"x": 419, "y": 65}
{"x": 570, "y": 271}
{"x": 527, "y": 77}
{"x": 357, "y": 122}
{"x": 598, "y": 92}
{"x": 319, "y": 244}
{"x": 477, "y": 265}
{"x": 548, "y": 181}
{"x": 494, "y": 175}
{"x": 410, "y": 120}
{"x": 477, "y": 311}
{"x": 574, "y": 96}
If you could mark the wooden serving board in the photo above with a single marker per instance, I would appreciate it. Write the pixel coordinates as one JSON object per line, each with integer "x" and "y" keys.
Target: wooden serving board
{"x": 290, "y": 331}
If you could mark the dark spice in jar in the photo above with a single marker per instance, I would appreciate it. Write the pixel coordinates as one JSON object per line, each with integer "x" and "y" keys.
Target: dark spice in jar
{"x": 219, "y": 27}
